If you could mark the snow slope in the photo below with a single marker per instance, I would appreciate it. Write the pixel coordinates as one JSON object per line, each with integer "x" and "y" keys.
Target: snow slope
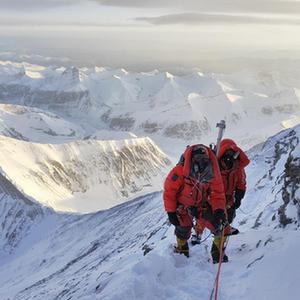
{"x": 18, "y": 214}
{"x": 86, "y": 175}
{"x": 184, "y": 107}
{"x": 32, "y": 124}
{"x": 40, "y": 126}
{"x": 126, "y": 252}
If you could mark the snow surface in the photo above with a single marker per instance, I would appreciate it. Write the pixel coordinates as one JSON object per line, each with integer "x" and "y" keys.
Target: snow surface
{"x": 31, "y": 124}
{"x": 126, "y": 252}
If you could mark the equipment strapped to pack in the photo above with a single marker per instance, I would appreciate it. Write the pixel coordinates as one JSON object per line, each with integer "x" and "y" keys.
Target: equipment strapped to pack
{"x": 221, "y": 126}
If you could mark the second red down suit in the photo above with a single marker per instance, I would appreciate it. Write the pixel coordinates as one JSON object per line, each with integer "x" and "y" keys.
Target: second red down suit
{"x": 234, "y": 178}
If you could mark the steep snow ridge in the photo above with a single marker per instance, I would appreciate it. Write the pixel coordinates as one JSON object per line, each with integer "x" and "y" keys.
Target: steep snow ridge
{"x": 18, "y": 215}
{"x": 126, "y": 252}
{"x": 86, "y": 175}
{"x": 156, "y": 103}
{"x": 80, "y": 254}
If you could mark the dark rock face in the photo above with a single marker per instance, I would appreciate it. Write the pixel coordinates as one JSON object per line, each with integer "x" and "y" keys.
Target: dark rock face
{"x": 277, "y": 189}
{"x": 287, "y": 146}
{"x": 44, "y": 99}
{"x": 188, "y": 130}
{"x": 290, "y": 187}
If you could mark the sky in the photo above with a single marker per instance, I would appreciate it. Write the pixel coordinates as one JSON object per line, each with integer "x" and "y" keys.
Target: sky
{"x": 124, "y": 33}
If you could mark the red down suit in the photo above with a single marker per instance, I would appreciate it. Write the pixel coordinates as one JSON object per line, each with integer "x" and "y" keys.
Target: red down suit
{"x": 182, "y": 190}
{"x": 235, "y": 178}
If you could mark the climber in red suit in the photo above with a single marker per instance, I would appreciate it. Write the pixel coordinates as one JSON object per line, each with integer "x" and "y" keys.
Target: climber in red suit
{"x": 194, "y": 189}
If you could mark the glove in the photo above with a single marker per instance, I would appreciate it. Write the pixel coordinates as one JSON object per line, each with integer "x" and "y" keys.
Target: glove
{"x": 193, "y": 211}
{"x": 173, "y": 218}
{"x": 238, "y": 196}
{"x": 219, "y": 219}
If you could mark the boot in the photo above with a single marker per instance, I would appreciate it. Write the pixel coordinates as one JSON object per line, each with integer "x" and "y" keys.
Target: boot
{"x": 225, "y": 258}
{"x": 215, "y": 253}
{"x": 182, "y": 247}
{"x": 234, "y": 231}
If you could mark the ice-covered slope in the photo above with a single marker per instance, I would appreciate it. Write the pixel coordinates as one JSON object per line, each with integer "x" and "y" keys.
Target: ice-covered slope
{"x": 184, "y": 107}
{"x": 126, "y": 252}
{"x": 86, "y": 175}
{"x": 17, "y": 215}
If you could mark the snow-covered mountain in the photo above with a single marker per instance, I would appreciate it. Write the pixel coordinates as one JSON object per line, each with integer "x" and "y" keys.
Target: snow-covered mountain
{"x": 184, "y": 107}
{"x": 126, "y": 252}
{"x": 86, "y": 175}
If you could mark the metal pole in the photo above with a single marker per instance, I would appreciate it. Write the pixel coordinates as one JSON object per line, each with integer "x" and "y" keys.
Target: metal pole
{"x": 221, "y": 126}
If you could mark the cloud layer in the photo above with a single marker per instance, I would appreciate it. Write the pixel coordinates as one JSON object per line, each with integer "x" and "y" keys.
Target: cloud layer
{"x": 112, "y": 32}
{"x": 195, "y": 18}
{"x": 245, "y": 6}
{"x": 21, "y": 4}
{"x": 254, "y": 6}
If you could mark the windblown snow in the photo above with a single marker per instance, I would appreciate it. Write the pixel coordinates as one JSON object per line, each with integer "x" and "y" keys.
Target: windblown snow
{"x": 126, "y": 252}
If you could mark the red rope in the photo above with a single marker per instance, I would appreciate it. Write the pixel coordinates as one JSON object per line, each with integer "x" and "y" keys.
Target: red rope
{"x": 220, "y": 264}
{"x": 216, "y": 283}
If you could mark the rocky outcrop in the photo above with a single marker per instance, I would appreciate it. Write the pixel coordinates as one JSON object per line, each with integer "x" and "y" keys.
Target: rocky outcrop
{"x": 278, "y": 162}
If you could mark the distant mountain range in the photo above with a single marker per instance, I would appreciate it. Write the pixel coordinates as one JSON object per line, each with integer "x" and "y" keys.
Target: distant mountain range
{"x": 184, "y": 107}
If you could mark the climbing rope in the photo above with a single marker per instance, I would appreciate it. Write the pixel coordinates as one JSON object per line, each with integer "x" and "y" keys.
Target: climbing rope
{"x": 245, "y": 213}
{"x": 216, "y": 283}
{"x": 202, "y": 241}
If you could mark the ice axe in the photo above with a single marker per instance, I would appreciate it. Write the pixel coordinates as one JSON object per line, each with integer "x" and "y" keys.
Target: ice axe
{"x": 221, "y": 126}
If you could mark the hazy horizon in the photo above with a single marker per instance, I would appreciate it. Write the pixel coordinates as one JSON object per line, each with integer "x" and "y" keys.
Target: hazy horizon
{"x": 152, "y": 34}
